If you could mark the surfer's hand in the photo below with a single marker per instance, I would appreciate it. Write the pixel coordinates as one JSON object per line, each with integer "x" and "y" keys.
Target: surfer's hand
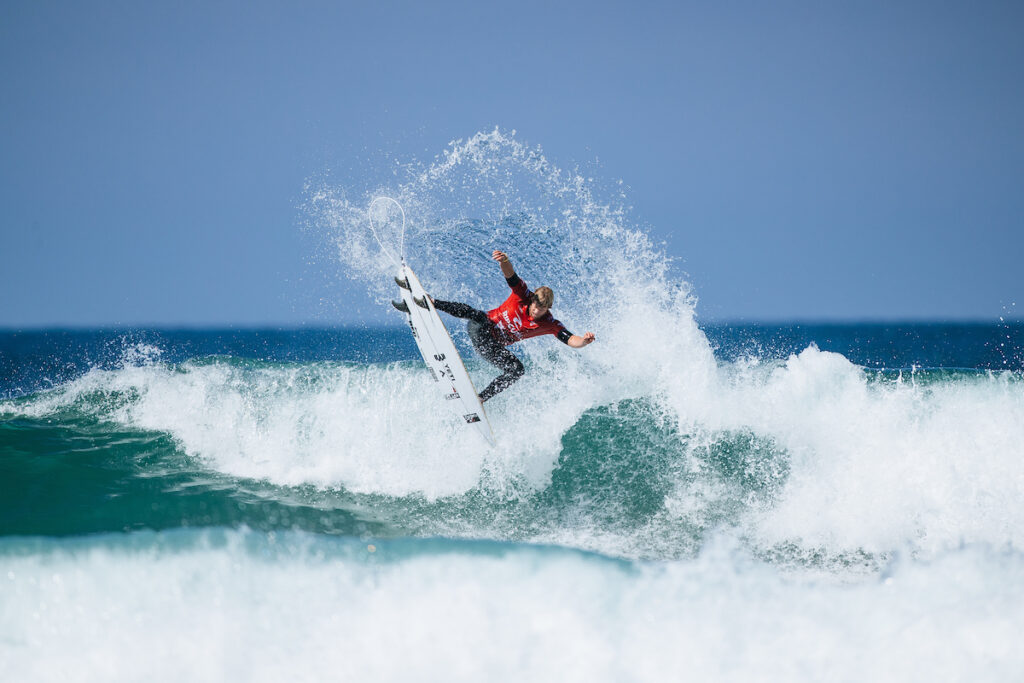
{"x": 578, "y": 342}
{"x": 506, "y": 266}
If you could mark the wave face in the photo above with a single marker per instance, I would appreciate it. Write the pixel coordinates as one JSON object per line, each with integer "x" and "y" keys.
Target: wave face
{"x": 809, "y": 457}
{"x": 745, "y": 503}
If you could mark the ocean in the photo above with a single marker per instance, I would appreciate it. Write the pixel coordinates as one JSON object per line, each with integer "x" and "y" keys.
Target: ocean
{"x": 298, "y": 504}
{"x": 678, "y": 501}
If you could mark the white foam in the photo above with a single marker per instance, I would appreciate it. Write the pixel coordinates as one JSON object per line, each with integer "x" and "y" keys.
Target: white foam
{"x": 169, "y": 607}
{"x": 872, "y": 465}
{"x": 368, "y": 428}
{"x": 877, "y": 464}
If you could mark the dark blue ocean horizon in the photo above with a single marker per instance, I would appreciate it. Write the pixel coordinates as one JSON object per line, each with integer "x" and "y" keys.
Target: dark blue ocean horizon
{"x": 38, "y": 358}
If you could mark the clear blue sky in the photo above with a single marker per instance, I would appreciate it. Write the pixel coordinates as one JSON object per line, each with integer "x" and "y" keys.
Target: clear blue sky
{"x": 804, "y": 160}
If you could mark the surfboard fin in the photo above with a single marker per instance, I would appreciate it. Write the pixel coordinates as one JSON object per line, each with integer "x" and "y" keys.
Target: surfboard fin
{"x": 403, "y": 283}
{"x": 401, "y": 305}
{"x": 421, "y": 302}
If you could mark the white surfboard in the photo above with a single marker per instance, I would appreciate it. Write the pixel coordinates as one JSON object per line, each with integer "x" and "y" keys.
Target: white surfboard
{"x": 443, "y": 360}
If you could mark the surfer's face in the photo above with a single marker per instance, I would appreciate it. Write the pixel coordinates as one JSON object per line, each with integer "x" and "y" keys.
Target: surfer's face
{"x": 537, "y": 311}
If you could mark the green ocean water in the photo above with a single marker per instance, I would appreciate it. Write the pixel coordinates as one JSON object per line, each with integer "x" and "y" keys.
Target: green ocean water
{"x": 295, "y": 504}
{"x": 676, "y": 501}
{"x": 76, "y": 458}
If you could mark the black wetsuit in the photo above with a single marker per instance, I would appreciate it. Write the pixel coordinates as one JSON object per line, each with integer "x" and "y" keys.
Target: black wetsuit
{"x": 485, "y": 341}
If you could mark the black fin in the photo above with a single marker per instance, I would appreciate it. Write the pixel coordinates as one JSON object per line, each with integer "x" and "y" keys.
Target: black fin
{"x": 403, "y": 283}
{"x": 401, "y": 305}
{"x": 422, "y": 302}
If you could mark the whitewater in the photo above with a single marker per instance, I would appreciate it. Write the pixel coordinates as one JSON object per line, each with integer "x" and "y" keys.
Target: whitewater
{"x": 687, "y": 506}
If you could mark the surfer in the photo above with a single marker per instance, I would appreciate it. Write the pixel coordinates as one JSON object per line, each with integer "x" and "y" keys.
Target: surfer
{"x": 523, "y": 315}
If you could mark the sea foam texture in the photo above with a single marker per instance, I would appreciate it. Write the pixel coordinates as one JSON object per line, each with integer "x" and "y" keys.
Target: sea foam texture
{"x": 803, "y": 456}
{"x": 872, "y": 464}
{"x": 781, "y": 519}
{"x": 207, "y": 606}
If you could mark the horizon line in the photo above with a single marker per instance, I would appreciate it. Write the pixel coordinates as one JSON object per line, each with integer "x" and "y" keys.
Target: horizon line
{"x": 293, "y": 326}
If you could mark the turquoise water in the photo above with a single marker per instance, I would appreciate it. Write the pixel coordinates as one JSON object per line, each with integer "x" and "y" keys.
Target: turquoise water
{"x": 87, "y": 450}
{"x": 676, "y": 501}
{"x": 251, "y": 497}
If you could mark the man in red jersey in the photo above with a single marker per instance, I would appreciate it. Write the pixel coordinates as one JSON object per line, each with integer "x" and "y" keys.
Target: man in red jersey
{"x": 524, "y": 314}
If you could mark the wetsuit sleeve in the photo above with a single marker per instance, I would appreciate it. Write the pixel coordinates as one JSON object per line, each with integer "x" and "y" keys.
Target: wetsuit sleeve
{"x": 517, "y": 285}
{"x": 563, "y": 335}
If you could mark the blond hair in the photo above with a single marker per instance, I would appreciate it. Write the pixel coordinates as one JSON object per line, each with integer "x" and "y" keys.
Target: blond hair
{"x": 544, "y": 296}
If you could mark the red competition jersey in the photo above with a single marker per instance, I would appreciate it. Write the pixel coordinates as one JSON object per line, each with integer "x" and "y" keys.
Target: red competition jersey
{"x": 512, "y": 319}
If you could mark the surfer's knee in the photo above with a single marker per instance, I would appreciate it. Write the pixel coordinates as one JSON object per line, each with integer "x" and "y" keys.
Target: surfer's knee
{"x": 478, "y": 335}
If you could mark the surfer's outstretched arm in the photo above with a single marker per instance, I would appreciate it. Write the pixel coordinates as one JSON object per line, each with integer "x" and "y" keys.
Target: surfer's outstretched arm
{"x": 506, "y": 266}
{"x": 514, "y": 282}
{"x": 578, "y": 342}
